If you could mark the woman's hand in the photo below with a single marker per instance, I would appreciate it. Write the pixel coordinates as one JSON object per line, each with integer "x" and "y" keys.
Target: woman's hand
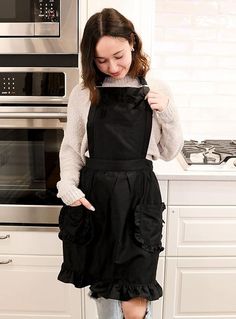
{"x": 157, "y": 100}
{"x": 85, "y": 202}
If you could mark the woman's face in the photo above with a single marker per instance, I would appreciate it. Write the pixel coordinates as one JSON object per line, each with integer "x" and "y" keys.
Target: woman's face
{"x": 113, "y": 56}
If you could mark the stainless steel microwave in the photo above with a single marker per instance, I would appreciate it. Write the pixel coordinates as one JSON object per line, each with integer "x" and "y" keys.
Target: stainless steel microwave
{"x": 38, "y": 26}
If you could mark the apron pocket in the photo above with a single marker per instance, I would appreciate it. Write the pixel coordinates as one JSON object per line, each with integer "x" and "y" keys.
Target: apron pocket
{"x": 75, "y": 224}
{"x": 148, "y": 226}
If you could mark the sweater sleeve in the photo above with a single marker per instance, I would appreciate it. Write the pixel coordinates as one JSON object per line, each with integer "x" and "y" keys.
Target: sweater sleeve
{"x": 169, "y": 137}
{"x": 71, "y": 159}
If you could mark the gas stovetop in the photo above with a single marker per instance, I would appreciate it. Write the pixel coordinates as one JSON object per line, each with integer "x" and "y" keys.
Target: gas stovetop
{"x": 209, "y": 155}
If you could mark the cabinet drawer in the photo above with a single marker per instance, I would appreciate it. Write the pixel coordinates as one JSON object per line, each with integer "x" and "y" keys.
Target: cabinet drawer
{"x": 29, "y": 242}
{"x": 201, "y": 193}
{"x": 30, "y": 289}
{"x": 201, "y": 231}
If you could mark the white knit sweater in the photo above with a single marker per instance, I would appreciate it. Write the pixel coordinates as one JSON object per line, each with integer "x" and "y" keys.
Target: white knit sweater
{"x": 165, "y": 141}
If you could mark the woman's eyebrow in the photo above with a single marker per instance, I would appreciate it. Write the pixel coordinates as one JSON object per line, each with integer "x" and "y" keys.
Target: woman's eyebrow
{"x": 100, "y": 57}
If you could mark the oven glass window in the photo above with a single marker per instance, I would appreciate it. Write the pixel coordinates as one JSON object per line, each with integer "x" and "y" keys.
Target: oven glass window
{"x": 29, "y": 166}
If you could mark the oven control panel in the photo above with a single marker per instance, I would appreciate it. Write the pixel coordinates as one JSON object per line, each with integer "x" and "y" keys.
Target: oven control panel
{"x": 32, "y": 84}
{"x": 8, "y": 85}
{"x": 47, "y": 10}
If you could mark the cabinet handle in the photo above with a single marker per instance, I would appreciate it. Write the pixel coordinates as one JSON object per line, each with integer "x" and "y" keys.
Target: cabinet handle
{"x": 5, "y": 237}
{"x": 6, "y": 262}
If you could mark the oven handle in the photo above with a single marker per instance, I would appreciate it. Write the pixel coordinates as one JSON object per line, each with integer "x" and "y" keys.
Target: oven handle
{"x": 28, "y": 121}
{"x": 33, "y": 115}
{"x": 5, "y": 236}
{"x": 6, "y": 262}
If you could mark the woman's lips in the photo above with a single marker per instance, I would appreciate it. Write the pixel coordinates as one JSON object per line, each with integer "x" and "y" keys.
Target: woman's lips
{"x": 116, "y": 74}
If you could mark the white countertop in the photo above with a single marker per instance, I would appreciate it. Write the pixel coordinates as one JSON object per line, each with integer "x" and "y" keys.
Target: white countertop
{"x": 173, "y": 170}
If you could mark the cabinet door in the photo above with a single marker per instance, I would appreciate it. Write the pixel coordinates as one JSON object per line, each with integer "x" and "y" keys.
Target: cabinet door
{"x": 201, "y": 231}
{"x": 30, "y": 289}
{"x": 90, "y": 311}
{"x": 200, "y": 288}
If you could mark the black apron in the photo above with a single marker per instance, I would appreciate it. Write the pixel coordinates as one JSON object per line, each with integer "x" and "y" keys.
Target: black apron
{"x": 115, "y": 249}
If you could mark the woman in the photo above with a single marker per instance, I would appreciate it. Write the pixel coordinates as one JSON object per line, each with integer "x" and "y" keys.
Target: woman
{"x": 111, "y": 223}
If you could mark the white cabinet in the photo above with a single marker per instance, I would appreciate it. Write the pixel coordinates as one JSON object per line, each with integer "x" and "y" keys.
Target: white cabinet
{"x": 216, "y": 193}
{"x": 201, "y": 231}
{"x": 29, "y": 265}
{"x": 200, "y": 287}
{"x": 200, "y": 274}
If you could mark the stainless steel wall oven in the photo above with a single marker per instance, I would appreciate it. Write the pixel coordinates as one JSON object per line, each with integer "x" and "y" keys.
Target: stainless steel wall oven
{"x": 33, "y": 104}
{"x": 38, "y": 69}
{"x": 38, "y": 26}
{"x": 29, "y": 170}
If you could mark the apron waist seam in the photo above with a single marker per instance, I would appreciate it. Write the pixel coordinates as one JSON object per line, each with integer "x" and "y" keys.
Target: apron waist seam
{"x": 119, "y": 165}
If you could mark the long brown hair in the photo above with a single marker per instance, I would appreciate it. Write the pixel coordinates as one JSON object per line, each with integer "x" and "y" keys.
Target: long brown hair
{"x": 108, "y": 22}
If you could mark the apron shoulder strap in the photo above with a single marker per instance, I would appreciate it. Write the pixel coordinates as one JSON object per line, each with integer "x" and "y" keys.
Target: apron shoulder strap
{"x": 142, "y": 80}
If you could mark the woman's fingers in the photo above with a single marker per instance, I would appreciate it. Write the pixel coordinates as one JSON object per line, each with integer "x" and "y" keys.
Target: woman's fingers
{"x": 157, "y": 100}
{"x": 87, "y": 204}
{"x": 76, "y": 203}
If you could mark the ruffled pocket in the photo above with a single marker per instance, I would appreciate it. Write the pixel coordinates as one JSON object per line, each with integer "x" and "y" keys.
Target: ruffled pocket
{"x": 148, "y": 226}
{"x": 75, "y": 224}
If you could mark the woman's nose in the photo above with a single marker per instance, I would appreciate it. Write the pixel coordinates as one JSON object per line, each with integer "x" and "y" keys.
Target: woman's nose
{"x": 112, "y": 67}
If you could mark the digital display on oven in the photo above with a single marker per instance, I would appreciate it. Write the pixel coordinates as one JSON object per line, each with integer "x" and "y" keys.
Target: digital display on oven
{"x": 32, "y": 84}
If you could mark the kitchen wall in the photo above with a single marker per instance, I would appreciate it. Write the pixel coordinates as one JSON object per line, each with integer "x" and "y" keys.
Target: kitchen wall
{"x": 194, "y": 51}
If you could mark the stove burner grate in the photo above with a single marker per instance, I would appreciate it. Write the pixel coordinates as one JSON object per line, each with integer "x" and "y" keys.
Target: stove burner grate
{"x": 213, "y": 152}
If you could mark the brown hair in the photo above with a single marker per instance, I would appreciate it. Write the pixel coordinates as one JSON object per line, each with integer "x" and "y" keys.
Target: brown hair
{"x": 108, "y": 22}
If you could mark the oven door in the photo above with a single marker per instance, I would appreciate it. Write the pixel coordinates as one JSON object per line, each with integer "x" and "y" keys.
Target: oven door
{"x": 29, "y": 161}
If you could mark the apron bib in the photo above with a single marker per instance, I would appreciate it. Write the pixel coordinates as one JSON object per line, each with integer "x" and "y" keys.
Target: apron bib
{"x": 115, "y": 249}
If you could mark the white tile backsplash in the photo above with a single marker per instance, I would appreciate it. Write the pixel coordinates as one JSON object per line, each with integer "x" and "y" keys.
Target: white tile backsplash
{"x": 194, "y": 51}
